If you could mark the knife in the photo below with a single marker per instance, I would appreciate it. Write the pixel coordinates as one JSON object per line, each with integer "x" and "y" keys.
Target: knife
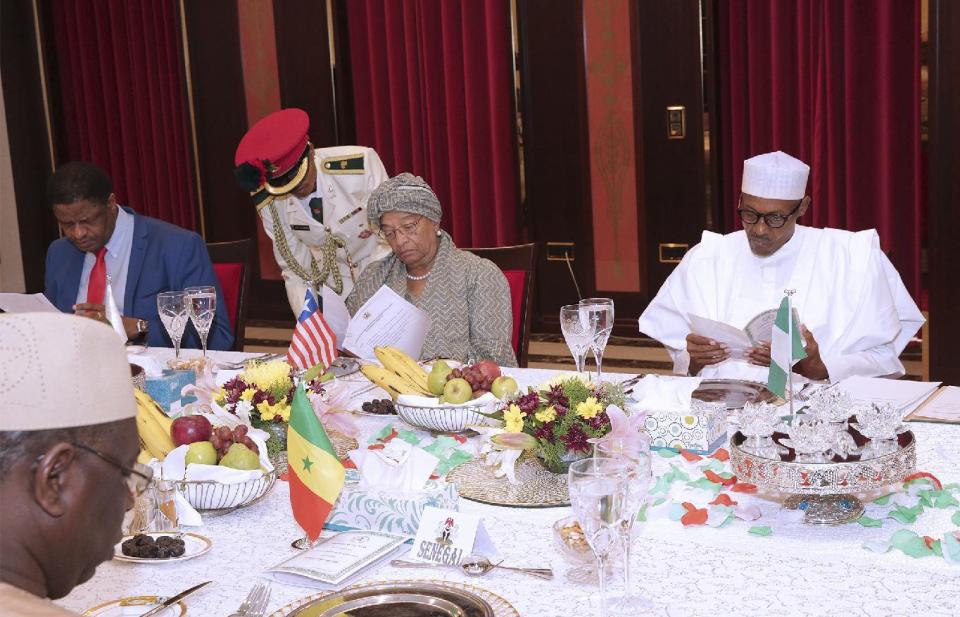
{"x": 171, "y": 601}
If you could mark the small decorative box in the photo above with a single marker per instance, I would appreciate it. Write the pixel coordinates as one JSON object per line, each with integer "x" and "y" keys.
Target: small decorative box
{"x": 702, "y": 430}
{"x": 390, "y": 512}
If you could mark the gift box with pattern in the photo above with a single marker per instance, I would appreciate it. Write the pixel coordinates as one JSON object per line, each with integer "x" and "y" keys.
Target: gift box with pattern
{"x": 388, "y": 511}
{"x": 702, "y": 429}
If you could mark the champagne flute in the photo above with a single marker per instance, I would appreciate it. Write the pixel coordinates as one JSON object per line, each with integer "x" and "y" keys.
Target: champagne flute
{"x": 636, "y": 455}
{"x": 578, "y": 327}
{"x": 598, "y": 490}
{"x": 172, "y": 307}
{"x": 602, "y": 309}
{"x": 202, "y": 305}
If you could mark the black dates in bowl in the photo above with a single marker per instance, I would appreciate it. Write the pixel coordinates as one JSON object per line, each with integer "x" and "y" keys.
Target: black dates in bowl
{"x": 381, "y": 407}
{"x": 143, "y": 546}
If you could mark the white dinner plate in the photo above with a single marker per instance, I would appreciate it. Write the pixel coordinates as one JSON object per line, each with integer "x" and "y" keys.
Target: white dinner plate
{"x": 194, "y": 545}
{"x": 133, "y": 606}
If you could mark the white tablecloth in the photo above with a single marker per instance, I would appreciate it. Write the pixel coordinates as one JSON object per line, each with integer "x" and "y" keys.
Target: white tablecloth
{"x": 799, "y": 570}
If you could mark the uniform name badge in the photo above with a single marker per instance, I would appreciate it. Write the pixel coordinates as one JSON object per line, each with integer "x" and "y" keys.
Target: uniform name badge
{"x": 448, "y": 537}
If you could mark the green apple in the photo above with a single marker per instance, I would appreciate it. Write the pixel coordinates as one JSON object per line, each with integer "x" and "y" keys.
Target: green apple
{"x": 457, "y": 391}
{"x": 504, "y": 387}
{"x": 240, "y": 456}
{"x": 202, "y": 453}
{"x": 437, "y": 378}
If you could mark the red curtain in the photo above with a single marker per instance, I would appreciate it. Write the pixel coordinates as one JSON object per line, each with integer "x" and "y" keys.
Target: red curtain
{"x": 835, "y": 83}
{"x": 433, "y": 94}
{"x": 123, "y": 99}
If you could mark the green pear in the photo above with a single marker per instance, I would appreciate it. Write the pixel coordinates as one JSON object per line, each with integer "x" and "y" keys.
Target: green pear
{"x": 437, "y": 378}
{"x": 202, "y": 453}
{"x": 240, "y": 456}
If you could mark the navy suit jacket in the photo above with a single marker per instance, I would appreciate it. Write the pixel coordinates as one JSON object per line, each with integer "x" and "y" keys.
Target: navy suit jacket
{"x": 163, "y": 257}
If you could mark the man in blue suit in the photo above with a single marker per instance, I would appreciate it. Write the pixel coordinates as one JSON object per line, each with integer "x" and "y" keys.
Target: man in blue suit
{"x": 142, "y": 256}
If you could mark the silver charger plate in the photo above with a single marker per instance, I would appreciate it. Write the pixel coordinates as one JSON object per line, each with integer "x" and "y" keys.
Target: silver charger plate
{"x": 537, "y": 487}
{"x": 343, "y": 366}
{"x": 734, "y": 393}
{"x": 402, "y": 599}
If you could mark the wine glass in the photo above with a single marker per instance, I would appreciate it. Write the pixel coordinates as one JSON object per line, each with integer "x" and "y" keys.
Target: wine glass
{"x": 202, "y": 305}
{"x": 602, "y": 309}
{"x": 636, "y": 455}
{"x": 172, "y": 307}
{"x": 599, "y": 492}
{"x": 578, "y": 326}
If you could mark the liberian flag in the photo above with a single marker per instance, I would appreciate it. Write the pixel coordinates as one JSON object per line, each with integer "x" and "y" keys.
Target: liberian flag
{"x": 315, "y": 472}
{"x": 313, "y": 341}
{"x": 786, "y": 348}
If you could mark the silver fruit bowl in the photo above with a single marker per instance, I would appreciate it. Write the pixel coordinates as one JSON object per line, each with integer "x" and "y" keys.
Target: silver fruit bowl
{"x": 214, "y": 498}
{"x": 444, "y": 418}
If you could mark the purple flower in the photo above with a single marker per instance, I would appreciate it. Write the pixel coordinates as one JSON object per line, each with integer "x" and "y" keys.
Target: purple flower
{"x": 544, "y": 433}
{"x": 528, "y": 403}
{"x": 576, "y": 439}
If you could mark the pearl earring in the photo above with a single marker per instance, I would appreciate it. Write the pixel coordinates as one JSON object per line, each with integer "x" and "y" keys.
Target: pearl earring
{"x": 438, "y": 233}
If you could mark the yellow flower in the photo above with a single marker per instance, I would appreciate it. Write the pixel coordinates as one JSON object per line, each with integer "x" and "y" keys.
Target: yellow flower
{"x": 268, "y": 375}
{"x": 269, "y": 412}
{"x": 547, "y": 415}
{"x": 221, "y": 396}
{"x": 589, "y": 408}
{"x": 513, "y": 419}
{"x": 248, "y": 394}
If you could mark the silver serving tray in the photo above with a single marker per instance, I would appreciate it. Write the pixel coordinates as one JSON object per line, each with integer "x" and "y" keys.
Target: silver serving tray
{"x": 733, "y": 393}
{"x": 413, "y": 599}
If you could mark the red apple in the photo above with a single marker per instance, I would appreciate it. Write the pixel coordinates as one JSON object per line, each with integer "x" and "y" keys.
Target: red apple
{"x": 488, "y": 368}
{"x": 188, "y": 429}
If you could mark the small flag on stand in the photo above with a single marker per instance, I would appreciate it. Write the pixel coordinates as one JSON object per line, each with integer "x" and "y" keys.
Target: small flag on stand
{"x": 786, "y": 348}
{"x": 313, "y": 341}
{"x": 315, "y": 473}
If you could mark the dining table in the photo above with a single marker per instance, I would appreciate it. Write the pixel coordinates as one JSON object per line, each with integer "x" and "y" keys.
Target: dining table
{"x": 795, "y": 569}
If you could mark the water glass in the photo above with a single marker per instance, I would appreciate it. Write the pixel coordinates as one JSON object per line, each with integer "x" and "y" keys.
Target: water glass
{"x": 578, "y": 327}
{"x": 202, "y": 306}
{"x": 602, "y": 310}
{"x": 635, "y": 453}
{"x": 165, "y": 518}
{"x": 599, "y": 491}
{"x": 172, "y": 307}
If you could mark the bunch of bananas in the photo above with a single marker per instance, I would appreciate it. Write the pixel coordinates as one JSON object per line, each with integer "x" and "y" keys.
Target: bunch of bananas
{"x": 153, "y": 428}
{"x": 400, "y": 373}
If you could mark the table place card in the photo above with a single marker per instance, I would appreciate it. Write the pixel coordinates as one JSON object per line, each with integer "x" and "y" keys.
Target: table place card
{"x": 338, "y": 560}
{"x": 447, "y": 537}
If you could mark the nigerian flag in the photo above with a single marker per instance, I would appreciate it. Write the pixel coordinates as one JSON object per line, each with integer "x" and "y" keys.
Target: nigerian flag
{"x": 786, "y": 348}
{"x": 316, "y": 475}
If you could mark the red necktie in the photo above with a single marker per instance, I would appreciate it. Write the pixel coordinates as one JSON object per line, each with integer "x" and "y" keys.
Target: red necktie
{"x": 98, "y": 278}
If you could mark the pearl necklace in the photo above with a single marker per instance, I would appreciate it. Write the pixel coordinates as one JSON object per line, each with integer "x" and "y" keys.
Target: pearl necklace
{"x": 422, "y": 277}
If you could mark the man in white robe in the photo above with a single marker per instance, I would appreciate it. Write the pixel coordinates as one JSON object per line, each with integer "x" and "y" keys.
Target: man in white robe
{"x": 856, "y": 313}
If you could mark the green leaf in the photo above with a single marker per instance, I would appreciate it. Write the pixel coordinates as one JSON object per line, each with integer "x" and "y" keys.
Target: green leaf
{"x": 943, "y": 499}
{"x": 866, "y": 521}
{"x": 955, "y": 519}
{"x": 706, "y": 485}
{"x": 760, "y": 530}
{"x": 662, "y": 485}
{"x": 907, "y": 516}
{"x": 882, "y": 501}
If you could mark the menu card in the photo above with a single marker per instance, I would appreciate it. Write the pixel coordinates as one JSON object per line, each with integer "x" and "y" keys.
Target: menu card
{"x": 386, "y": 319}
{"x": 338, "y": 560}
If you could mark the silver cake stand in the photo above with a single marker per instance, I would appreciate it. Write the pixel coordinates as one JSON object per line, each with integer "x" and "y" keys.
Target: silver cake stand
{"x": 826, "y": 492}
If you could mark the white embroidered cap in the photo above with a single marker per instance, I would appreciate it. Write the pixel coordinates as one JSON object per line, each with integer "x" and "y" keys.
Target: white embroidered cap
{"x": 775, "y": 175}
{"x": 61, "y": 371}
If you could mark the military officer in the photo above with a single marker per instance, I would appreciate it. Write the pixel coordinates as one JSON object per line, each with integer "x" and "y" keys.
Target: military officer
{"x": 312, "y": 202}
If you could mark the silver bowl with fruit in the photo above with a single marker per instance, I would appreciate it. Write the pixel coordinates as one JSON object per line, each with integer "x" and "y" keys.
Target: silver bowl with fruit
{"x": 213, "y": 498}
{"x": 444, "y": 418}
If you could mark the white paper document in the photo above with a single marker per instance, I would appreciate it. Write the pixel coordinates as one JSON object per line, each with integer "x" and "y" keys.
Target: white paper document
{"x": 26, "y": 303}
{"x": 904, "y": 394}
{"x": 338, "y": 560}
{"x": 944, "y": 406}
{"x": 386, "y": 319}
{"x": 734, "y": 338}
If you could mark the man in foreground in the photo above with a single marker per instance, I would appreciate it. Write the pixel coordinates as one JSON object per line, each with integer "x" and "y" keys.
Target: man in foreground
{"x": 142, "y": 256}
{"x": 857, "y": 316}
{"x": 68, "y": 446}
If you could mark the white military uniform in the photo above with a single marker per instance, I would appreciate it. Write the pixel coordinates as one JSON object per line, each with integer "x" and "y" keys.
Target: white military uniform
{"x": 346, "y": 175}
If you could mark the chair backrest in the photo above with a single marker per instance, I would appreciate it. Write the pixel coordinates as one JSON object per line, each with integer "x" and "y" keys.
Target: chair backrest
{"x": 519, "y": 266}
{"x": 232, "y": 262}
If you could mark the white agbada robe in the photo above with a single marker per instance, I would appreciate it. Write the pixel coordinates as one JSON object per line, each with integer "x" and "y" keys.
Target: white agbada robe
{"x": 848, "y": 295}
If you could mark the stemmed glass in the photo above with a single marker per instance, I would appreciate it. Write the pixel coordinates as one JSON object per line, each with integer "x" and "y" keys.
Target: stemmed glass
{"x": 202, "y": 305}
{"x": 172, "y": 307}
{"x": 636, "y": 455}
{"x": 602, "y": 310}
{"x": 599, "y": 489}
{"x": 578, "y": 326}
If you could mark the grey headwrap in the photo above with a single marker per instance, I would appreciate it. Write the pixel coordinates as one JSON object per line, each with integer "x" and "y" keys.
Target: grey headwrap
{"x": 403, "y": 193}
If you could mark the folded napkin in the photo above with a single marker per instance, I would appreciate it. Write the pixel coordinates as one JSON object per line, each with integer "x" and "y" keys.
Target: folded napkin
{"x": 664, "y": 393}
{"x": 488, "y": 401}
{"x": 397, "y": 466}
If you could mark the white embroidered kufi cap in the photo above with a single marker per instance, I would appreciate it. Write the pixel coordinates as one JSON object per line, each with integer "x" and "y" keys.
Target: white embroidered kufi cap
{"x": 61, "y": 371}
{"x": 775, "y": 175}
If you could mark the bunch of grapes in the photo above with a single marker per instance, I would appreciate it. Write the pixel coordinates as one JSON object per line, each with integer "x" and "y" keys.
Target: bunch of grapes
{"x": 479, "y": 382}
{"x": 222, "y": 438}
{"x": 379, "y": 406}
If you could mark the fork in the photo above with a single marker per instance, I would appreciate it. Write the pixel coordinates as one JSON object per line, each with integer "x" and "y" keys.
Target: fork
{"x": 255, "y": 604}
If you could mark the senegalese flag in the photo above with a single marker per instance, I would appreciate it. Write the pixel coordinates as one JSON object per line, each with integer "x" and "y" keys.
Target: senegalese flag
{"x": 786, "y": 348}
{"x": 316, "y": 475}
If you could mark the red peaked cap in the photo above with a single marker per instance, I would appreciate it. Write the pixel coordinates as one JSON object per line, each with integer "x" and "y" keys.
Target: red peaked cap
{"x": 274, "y": 144}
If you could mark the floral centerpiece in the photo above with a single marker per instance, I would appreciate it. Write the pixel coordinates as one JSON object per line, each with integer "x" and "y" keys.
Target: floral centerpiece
{"x": 559, "y": 420}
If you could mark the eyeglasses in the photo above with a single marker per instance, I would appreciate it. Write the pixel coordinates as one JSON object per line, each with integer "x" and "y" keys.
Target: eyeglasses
{"x": 138, "y": 479}
{"x": 406, "y": 230}
{"x": 773, "y": 220}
